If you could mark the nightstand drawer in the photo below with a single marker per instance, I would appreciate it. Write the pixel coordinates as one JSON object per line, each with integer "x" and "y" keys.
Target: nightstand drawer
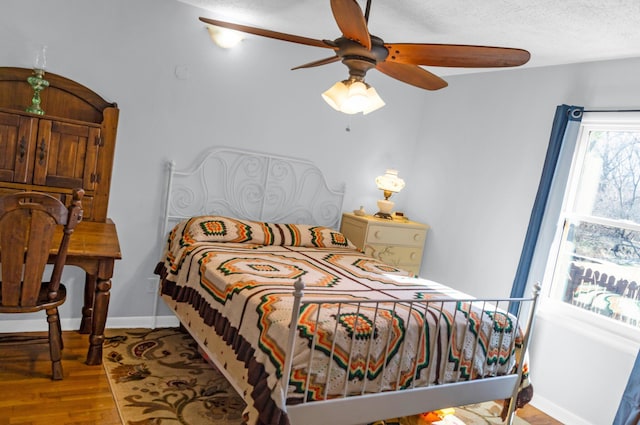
{"x": 404, "y": 257}
{"x": 396, "y": 235}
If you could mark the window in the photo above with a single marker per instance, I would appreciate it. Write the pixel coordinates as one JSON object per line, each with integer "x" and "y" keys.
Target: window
{"x": 595, "y": 263}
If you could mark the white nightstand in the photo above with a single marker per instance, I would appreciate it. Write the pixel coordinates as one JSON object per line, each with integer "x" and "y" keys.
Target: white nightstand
{"x": 398, "y": 243}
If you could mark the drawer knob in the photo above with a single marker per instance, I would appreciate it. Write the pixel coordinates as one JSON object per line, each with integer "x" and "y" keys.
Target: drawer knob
{"x": 376, "y": 234}
{"x": 412, "y": 255}
{"x": 417, "y": 237}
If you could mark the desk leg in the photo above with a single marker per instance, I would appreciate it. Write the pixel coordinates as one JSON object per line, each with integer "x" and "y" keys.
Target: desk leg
{"x": 100, "y": 308}
{"x": 89, "y": 297}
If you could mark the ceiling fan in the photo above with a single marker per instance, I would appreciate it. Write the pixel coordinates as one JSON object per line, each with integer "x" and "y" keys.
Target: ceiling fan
{"x": 361, "y": 51}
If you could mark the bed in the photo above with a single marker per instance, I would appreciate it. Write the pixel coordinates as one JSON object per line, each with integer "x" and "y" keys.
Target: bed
{"x": 252, "y": 247}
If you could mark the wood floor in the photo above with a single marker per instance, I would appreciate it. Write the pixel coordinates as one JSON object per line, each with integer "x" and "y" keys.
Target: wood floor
{"x": 29, "y": 397}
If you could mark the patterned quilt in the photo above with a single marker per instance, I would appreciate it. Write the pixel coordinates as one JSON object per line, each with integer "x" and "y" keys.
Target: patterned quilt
{"x": 244, "y": 272}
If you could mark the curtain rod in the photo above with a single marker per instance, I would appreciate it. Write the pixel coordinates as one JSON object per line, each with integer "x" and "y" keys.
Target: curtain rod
{"x": 611, "y": 110}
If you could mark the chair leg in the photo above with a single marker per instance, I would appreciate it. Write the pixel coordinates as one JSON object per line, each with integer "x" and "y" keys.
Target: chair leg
{"x": 55, "y": 343}
{"x": 60, "y": 333}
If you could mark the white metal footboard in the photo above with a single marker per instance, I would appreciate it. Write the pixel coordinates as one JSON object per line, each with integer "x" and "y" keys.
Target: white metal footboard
{"x": 368, "y": 403}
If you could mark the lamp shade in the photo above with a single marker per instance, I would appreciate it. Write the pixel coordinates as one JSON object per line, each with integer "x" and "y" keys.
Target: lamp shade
{"x": 336, "y": 95}
{"x": 375, "y": 101}
{"x": 390, "y": 182}
{"x": 40, "y": 59}
{"x": 356, "y": 99}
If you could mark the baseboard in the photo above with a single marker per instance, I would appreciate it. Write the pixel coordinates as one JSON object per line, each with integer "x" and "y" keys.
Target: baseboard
{"x": 559, "y": 413}
{"x": 143, "y": 322}
{"x": 36, "y": 325}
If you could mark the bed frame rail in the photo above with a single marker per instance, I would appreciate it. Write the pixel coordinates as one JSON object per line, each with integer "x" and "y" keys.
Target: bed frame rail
{"x": 368, "y": 405}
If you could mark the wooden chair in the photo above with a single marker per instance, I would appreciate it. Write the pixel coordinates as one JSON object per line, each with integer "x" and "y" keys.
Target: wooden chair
{"x": 28, "y": 221}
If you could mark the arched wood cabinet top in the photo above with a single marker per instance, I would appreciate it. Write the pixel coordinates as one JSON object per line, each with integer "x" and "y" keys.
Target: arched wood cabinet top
{"x": 64, "y": 98}
{"x": 70, "y": 146}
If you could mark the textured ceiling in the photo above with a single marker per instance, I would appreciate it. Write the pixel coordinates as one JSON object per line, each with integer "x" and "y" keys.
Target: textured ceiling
{"x": 554, "y": 31}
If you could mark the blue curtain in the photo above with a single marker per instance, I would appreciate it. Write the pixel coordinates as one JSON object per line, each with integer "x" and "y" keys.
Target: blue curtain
{"x": 629, "y": 408}
{"x": 567, "y": 118}
{"x": 565, "y": 115}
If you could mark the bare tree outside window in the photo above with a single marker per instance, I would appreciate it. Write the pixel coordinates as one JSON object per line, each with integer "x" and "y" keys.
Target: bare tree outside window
{"x": 618, "y": 190}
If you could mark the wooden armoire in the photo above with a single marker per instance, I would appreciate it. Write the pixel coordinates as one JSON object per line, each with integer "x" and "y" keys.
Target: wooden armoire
{"x": 70, "y": 146}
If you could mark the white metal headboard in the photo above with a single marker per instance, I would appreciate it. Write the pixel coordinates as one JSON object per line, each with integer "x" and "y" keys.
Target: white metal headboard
{"x": 254, "y": 186}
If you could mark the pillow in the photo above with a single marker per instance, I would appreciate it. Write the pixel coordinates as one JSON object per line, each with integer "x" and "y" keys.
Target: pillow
{"x": 225, "y": 229}
{"x": 311, "y": 236}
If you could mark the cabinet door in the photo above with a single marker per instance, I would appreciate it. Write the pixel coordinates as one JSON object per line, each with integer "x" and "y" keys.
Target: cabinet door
{"x": 17, "y": 136}
{"x": 66, "y": 155}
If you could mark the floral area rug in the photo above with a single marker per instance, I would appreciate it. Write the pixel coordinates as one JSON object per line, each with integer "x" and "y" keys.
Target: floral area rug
{"x": 158, "y": 377}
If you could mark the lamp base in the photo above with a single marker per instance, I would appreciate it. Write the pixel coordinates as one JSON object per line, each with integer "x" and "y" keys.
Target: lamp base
{"x": 385, "y": 206}
{"x": 384, "y": 215}
{"x": 38, "y": 83}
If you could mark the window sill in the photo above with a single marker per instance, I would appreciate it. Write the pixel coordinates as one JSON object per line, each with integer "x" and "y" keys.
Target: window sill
{"x": 603, "y": 329}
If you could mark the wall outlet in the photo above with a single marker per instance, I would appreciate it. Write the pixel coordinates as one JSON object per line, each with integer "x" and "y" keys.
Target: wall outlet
{"x": 152, "y": 285}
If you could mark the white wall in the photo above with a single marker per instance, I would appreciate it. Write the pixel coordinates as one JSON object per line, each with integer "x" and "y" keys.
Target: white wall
{"x": 471, "y": 154}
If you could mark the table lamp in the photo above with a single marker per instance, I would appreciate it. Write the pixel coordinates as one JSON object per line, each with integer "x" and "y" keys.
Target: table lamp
{"x": 389, "y": 183}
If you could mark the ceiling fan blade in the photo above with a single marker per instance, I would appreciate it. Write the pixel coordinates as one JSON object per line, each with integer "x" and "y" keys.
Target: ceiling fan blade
{"x": 456, "y": 55}
{"x": 412, "y": 74}
{"x": 351, "y": 21}
{"x": 268, "y": 33}
{"x": 318, "y": 62}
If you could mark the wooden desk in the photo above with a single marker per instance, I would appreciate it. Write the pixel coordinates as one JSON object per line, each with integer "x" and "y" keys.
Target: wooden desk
{"x": 93, "y": 247}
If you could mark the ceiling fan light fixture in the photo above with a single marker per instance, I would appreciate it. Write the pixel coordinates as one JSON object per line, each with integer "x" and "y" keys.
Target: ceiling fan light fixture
{"x": 356, "y": 100}
{"x": 336, "y": 94}
{"x": 224, "y": 37}
{"x": 374, "y": 101}
{"x": 352, "y": 96}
